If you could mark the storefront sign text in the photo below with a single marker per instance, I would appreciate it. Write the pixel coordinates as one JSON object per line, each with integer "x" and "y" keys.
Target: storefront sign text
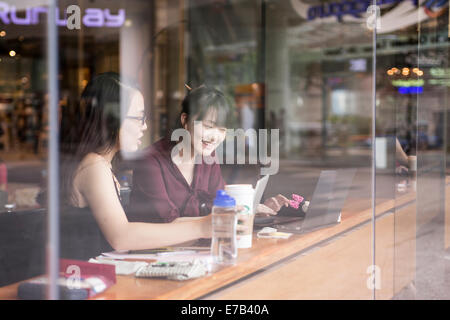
{"x": 356, "y": 7}
{"x": 397, "y": 14}
{"x": 92, "y": 17}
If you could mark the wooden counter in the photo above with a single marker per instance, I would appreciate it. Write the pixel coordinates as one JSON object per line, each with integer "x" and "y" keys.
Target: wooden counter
{"x": 327, "y": 263}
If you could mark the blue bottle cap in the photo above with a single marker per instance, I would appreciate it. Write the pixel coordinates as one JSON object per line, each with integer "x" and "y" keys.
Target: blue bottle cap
{"x": 223, "y": 200}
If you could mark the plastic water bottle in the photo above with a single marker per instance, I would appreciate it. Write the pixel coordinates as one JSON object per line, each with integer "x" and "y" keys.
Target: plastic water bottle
{"x": 224, "y": 222}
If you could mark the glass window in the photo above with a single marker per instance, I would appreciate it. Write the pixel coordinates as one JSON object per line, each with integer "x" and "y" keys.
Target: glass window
{"x": 105, "y": 112}
{"x": 24, "y": 137}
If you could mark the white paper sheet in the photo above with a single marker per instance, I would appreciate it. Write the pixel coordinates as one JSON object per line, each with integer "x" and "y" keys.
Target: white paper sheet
{"x": 166, "y": 257}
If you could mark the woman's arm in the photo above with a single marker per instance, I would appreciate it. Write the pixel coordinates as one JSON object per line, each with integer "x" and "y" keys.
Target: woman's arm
{"x": 95, "y": 183}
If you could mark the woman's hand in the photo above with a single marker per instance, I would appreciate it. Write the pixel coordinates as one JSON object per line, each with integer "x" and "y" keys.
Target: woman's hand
{"x": 206, "y": 224}
{"x": 265, "y": 211}
{"x": 272, "y": 205}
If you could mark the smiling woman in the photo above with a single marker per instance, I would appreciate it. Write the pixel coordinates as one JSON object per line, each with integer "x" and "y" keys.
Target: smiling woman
{"x": 174, "y": 179}
{"x": 202, "y": 123}
{"x": 169, "y": 182}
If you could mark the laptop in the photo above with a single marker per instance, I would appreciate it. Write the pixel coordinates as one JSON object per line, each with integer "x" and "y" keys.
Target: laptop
{"x": 324, "y": 208}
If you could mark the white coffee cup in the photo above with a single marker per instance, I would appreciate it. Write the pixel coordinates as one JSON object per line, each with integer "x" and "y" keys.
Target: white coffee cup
{"x": 244, "y": 195}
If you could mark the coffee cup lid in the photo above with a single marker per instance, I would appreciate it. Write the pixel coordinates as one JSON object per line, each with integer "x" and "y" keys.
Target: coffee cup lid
{"x": 243, "y": 187}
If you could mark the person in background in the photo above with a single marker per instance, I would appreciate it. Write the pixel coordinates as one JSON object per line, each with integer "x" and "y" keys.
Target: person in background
{"x": 170, "y": 182}
{"x": 103, "y": 129}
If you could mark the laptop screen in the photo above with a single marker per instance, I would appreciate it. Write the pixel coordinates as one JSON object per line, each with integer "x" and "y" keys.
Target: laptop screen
{"x": 328, "y": 198}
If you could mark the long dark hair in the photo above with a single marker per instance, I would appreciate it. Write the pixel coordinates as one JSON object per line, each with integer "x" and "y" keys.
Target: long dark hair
{"x": 93, "y": 125}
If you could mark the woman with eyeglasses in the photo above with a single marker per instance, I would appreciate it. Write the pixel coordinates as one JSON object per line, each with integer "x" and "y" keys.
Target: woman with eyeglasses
{"x": 109, "y": 120}
{"x": 174, "y": 180}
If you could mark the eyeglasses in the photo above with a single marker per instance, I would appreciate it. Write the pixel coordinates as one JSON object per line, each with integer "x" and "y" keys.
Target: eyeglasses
{"x": 141, "y": 119}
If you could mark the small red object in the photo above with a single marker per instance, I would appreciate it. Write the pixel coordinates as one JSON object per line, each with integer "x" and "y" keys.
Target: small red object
{"x": 81, "y": 270}
{"x": 297, "y": 198}
{"x": 294, "y": 204}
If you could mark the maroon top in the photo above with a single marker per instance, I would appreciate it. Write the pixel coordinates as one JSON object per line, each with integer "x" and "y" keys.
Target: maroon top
{"x": 160, "y": 192}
